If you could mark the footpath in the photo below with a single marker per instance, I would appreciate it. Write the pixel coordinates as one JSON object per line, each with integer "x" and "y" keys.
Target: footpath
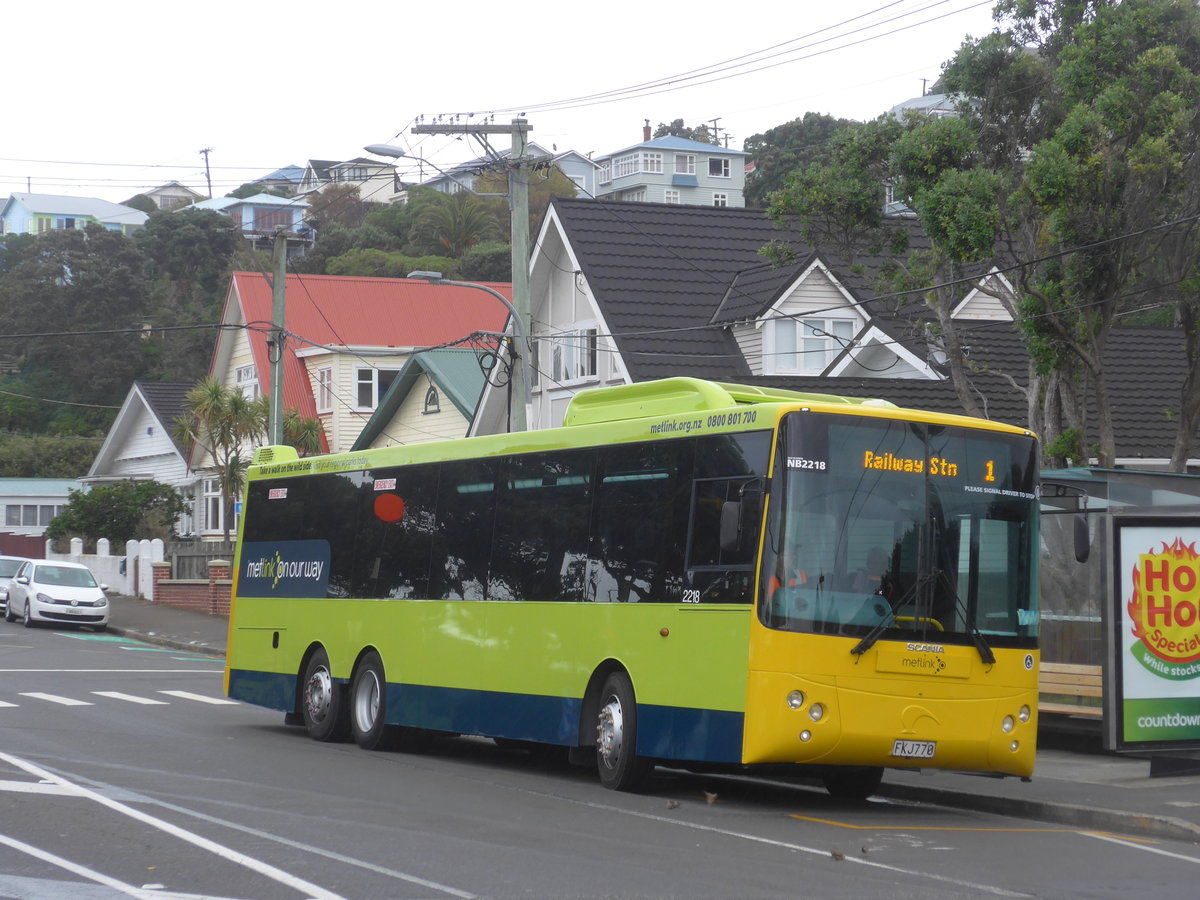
{"x": 1076, "y": 784}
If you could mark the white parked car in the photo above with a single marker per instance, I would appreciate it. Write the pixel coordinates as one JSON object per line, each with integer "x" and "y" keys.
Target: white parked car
{"x": 61, "y": 593}
{"x": 8, "y": 568}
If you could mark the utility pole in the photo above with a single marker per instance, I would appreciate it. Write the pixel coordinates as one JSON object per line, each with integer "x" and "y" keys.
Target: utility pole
{"x": 207, "y": 172}
{"x": 275, "y": 344}
{"x": 518, "y": 208}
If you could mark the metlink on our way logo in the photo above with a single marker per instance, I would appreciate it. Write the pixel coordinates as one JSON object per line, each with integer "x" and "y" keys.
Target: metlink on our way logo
{"x": 277, "y": 567}
{"x": 1165, "y": 610}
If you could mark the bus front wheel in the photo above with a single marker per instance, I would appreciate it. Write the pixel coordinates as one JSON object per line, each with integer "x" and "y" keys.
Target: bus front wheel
{"x": 621, "y": 769}
{"x": 368, "y": 703}
{"x": 323, "y": 700}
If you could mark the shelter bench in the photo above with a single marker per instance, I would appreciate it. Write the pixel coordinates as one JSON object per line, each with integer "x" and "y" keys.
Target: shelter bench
{"x": 1077, "y": 684}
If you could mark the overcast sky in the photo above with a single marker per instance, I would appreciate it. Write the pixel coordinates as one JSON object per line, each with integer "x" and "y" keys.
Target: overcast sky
{"x": 108, "y": 99}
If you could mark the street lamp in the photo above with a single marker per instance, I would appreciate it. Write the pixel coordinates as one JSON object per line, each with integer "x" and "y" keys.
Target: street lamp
{"x": 518, "y": 210}
{"x": 397, "y": 152}
{"x": 517, "y": 416}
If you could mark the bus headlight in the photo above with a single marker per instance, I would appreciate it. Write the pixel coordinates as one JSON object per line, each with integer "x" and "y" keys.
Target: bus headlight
{"x": 1024, "y": 713}
{"x": 795, "y": 699}
{"x": 806, "y": 735}
{"x": 816, "y": 712}
{"x": 1008, "y": 724}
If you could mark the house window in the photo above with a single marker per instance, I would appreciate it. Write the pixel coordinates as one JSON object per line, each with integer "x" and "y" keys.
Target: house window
{"x": 12, "y": 515}
{"x": 605, "y": 174}
{"x": 246, "y": 381}
{"x": 807, "y": 345}
{"x": 638, "y": 196}
{"x": 370, "y": 386}
{"x": 652, "y": 162}
{"x": 573, "y": 355}
{"x": 432, "y": 403}
{"x": 214, "y": 509}
{"x": 670, "y": 196}
{"x": 718, "y": 167}
{"x": 626, "y": 165}
{"x": 271, "y": 219}
{"x": 720, "y": 198}
{"x": 325, "y": 389}
{"x": 685, "y": 164}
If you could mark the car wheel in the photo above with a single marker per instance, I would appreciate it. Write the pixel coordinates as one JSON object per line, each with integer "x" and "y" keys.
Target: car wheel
{"x": 28, "y": 615}
{"x": 8, "y": 614}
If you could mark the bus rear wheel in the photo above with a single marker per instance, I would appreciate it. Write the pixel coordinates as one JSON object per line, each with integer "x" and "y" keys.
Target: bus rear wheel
{"x": 854, "y": 782}
{"x": 621, "y": 769}
{"x": 322, "y": 700}
{"x": 368, "y": 704}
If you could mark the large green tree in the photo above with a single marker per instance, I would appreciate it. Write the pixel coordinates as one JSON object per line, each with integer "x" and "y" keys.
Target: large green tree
{"x": 121, "y": 512}
{"x": 781, "y": 150}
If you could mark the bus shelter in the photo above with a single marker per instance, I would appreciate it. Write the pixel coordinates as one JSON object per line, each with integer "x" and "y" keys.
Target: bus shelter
{"x": 1120, "y": 605}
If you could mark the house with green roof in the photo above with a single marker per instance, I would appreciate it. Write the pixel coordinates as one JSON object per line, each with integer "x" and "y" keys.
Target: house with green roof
{"x": 432, "y": 398}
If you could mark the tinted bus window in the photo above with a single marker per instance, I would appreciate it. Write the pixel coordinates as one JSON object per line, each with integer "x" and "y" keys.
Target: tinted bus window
{"x": 466, "y": 511}
{"x": 395, "y": 533}
{"x": 541, "y": 537}
{"x": 643, "y": 495}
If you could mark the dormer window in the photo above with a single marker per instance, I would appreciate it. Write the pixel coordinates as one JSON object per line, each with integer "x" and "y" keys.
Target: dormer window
{"x": 804, "y": 346}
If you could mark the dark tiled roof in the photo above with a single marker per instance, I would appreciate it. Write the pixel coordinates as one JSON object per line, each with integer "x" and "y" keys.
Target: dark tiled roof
{"x": 664, "y": 274}
{"x": 166, "y": 401}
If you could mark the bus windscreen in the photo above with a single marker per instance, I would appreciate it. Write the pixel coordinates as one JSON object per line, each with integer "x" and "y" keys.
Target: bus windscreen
{"x": 887, "y": 529}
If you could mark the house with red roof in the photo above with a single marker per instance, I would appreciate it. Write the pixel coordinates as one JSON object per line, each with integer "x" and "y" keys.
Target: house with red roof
{"x": 347, "y": 339}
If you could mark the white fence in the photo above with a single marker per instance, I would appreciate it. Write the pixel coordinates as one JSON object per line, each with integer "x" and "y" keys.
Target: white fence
{"x": 129, "y": 574}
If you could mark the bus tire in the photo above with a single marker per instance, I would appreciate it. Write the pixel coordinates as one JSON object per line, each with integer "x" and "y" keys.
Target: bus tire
{"x": 368, "y": 704}
{"x": 620, "y": 768}
{"x": 854, "y": 783}
{"x": 323, "y": 700}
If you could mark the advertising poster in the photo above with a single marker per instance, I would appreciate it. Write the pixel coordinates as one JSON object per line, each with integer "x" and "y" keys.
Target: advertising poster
{"x": 1158, "y": 647}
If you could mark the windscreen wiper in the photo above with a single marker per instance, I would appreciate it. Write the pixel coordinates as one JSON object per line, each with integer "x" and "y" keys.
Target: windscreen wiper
{"x": 884, "y": 623}
{"x": 977, "y": 638}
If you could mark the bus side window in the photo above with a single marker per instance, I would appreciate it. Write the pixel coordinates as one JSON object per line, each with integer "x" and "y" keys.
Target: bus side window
{"x": 640, "y": 523}
{"x": 466, "y": 513}
{"x": 720, "y": 575}
{"x": 543, "y": 510}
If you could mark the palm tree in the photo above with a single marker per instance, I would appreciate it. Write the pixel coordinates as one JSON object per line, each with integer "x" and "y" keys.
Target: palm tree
{"x": 226, "y": 424}
{"x": 456, "y": 223}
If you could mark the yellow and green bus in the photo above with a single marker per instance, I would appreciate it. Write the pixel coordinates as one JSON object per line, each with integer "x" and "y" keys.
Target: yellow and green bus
{"x": 686, "y": 573}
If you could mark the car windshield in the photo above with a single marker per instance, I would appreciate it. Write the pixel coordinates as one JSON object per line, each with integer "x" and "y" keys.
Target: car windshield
{"x": 8, "y": 567}
{"x": 64, "y": 576}
{"x": 881, "y": 528}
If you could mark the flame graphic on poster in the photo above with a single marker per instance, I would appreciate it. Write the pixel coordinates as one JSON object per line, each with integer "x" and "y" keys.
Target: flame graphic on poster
{"x": 1165, "y": 604}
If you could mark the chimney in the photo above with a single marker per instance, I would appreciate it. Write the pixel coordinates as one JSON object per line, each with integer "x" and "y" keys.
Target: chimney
{"x": 646, "y": 131}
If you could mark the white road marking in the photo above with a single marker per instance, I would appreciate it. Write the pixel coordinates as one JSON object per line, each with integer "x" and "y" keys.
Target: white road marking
{"x": 117, "y": 695}
{"x": 1134, "y": 846}
{"x": 4, "y": 704}
{"x": 54, "y": 698}
{"x": 188, "y": 695}
{"x": 34, "y": 787}
{"x": 815, "y": 851}
{"x": 118, "y": 671}
{"x": 310, "y": 890}
{"x": 98, "y": 877}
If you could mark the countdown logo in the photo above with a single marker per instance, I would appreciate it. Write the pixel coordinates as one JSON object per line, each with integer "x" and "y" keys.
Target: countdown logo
{"x": 1165, "y": 609}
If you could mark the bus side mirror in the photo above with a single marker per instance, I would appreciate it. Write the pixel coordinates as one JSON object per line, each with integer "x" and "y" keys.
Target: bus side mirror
{"x": 1083, "y": 544}
{"x": 731, "y": 525}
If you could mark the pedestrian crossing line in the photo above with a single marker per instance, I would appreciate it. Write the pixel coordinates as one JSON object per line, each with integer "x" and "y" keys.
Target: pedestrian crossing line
{"x": 54, "y": 698}
{"x": 130, "y": 698}
{"x": 4, "y": 704}
{"x": 188, "y": 695}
